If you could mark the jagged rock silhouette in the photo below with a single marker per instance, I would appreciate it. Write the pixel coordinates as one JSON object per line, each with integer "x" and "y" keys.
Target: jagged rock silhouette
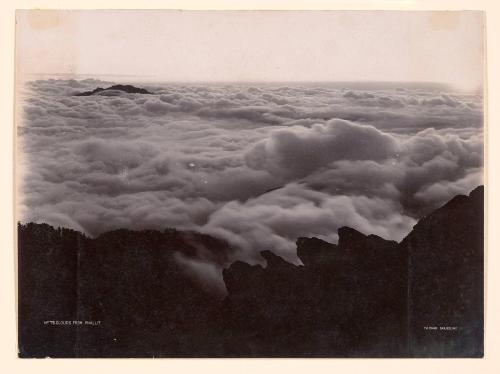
{"x": 446, "y": 260}
{"x": 364, "y": 297}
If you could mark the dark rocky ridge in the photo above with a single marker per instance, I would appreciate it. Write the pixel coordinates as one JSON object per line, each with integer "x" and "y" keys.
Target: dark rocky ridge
{"x": 446, "y": 279}
{"x": 118, "y": 87}
{"x": 365, "y": 297}
{"x": 349, "y": 300}
{"x": 131, "y": 281}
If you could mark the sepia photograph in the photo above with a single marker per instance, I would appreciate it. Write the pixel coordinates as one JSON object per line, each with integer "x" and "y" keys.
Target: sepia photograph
{"x": 250, "y": 184}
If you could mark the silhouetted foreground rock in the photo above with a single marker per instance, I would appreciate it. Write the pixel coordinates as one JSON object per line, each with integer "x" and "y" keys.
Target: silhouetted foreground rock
{"x": 365, "y": 297}
{"x": 118, "y": 87}
{"x": 349, "y": 300}
{"x": 446, "y": 280}
{"x": 137, "y": 298}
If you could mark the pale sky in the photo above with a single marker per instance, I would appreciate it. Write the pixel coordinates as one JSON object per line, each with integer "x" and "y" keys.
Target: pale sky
{"x": 283, "y": 46}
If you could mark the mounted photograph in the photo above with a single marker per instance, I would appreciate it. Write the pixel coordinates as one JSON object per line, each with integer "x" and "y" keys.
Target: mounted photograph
{"x": 249, "y": 184}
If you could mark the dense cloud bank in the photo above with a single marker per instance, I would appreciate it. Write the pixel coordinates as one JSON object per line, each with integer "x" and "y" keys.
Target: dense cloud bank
{"x": 256, "y": 165}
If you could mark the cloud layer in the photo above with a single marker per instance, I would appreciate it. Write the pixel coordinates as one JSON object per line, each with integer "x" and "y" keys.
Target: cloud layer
{"x": 255, "y": 165}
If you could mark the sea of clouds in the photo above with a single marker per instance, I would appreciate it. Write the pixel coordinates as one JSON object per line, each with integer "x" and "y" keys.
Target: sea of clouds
{"x": 256, "y": 165}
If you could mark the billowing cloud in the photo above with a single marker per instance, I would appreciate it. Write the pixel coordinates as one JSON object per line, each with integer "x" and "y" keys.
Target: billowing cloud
{"x": 274, "y": 220}
{"x": 256, "y": 165}
{"x": 297, "y": 151}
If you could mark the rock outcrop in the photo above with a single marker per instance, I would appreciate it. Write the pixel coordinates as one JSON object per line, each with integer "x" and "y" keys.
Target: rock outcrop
{"x": 362, "y": 297}
{"x": 445, "y": 269}
{"x": 141, "y": 300}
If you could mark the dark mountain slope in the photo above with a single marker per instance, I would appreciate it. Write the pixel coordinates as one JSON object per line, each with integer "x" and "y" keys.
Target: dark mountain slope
{"x": 354, "y": 299}
{"x": 47, "y": 289}
{"x": 348, "y": 300}
{"x": 365, "y": 297}
{"x": 446, "y": 279}
{"x": 130, "y": 281}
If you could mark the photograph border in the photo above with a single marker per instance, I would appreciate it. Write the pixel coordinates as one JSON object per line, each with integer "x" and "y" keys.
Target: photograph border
{"x": 489, "y": 363}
